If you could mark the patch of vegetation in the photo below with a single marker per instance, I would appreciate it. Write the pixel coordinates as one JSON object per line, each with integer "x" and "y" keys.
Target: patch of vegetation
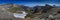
{"x": 29, "y": 15}
{"x": 31, "y": 11}
{"x": 14, "y": 9}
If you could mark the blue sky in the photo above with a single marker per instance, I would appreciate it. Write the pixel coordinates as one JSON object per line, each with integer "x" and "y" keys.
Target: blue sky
{"x": 32, "y": 2}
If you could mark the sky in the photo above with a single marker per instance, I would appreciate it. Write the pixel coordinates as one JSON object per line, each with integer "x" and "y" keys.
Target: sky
{"x": 32, "y": 2}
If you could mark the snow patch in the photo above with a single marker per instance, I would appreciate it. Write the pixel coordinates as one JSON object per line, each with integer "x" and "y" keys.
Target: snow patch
{"x": 16, "y": 15}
